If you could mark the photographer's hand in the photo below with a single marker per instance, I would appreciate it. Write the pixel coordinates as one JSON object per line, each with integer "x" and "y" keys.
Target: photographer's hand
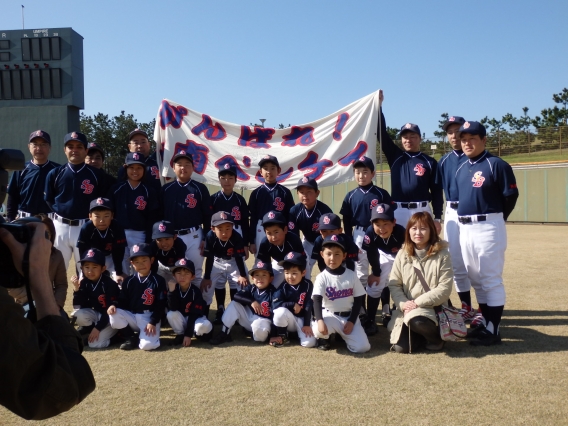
{"x": 40, "y": 251}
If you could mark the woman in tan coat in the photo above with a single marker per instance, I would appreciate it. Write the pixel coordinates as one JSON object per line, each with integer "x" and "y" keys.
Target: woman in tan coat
{"x": 414, "y": 322}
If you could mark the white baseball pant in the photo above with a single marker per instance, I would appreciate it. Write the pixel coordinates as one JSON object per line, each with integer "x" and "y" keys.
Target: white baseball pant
{"x": 86, "y": 317}
{"x": 284, "y": 318}
{"x": 260, "y": 234}
{"x": 178, "y": 322}
{"x": 357, "y": 341}
{"x": 259, "y": 326}
{"x": 483, "y": 246}
{"x": 132, "y": 238}
{"x": 165, "y": 273}
{"x": 309, "y": 248}
{"x": 362, "y": 265}
{"x": 138, "y": 322}
{"x": 193, "y": 241}
{"x": 403, "y": 214}
{"x": 452, "y": 236}
{"x": 278, "y": 274}
{"x": 66, "y": 237}
{"x": 386, "y": 261}
{"x": 223, "y": 271}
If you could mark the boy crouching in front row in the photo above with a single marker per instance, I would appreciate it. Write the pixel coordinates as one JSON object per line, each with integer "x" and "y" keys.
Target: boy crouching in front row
{"x": 338, "y": 295}
{"x": 187, "y": 307}
{"x": 142, "y": 302}
{"x": 251, "y": 307}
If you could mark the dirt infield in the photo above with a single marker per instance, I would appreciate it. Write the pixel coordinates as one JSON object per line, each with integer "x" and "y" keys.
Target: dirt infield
{"x": 523, "y": 381}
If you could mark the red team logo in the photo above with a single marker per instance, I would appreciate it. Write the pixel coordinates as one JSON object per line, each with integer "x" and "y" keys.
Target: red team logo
{"x": 148, "y": 297}
{"x": 230, "y": 252}
{"x": 290, "y": 255}
{"x": 334, "y": 238}
{"x": 315, "y": 226}
{"x": 419, "y": 169}
{"x": 265, "y": 309}
{"x": 99, "y": 201}
{"x": 90, "y": 253}
{"x": 305, "y": 179}
{"x": 326, "y": 220}
{"x": 182, "y": 262}
{"x": 187, "y": 307}
{"x": 108, "y": 247}
{"x": 162, "y": 227}
{"x": 87, "y": 186}
{"x": 374, "y": 203}
{"x": 271, "y": 215}
{"x": 102, "y": 300}
{"x": 140, "y": 203}
{"x": 477, "y": 180}
{"x": 154, "y": 172}
{"x": 380, "y": 209}
{"x": 366, "y": 239}
{"x": 259, "y": 264}
{"x": 191, "y": 201}
{"x": 135, "y": 248}
{"x": 278, "y": 203}
{"x": 136, "y": 156}
{"x": 291, "y": 225}
{"x": 301, "y": 299}
{"x": 235, "y": 211}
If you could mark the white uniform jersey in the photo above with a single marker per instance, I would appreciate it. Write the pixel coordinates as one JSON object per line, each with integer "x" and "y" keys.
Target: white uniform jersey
{"x": 338, "y": 291}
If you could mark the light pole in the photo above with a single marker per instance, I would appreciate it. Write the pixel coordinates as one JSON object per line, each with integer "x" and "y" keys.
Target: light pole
{"x": 262, "y": 120}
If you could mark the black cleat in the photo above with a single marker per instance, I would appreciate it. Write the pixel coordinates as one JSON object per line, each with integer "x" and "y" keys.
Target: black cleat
{"x": 486, "y": 338}
{"x": 285, "y": 341}
{"x": 178, "y": 340}
{"x": 218, "y": 316}
{"x": 85, "y": 329}
{"x": 220, "y": 338}
{"x": 474, "y": 332}
{"x": 371, "y": 328}
{"x": 129, "y": 344}
{"x": 323, "y": 345}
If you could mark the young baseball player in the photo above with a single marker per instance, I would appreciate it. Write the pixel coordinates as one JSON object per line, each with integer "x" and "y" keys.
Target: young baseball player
{"x": 305, "y": 217}
{"x": 138, "y": 141}
{"x": 268, "y": 196}
{"x": 487, "y": 194}
{"x": 69, "y": 190}
{"x": 142, "y": 302}
{"x": 446, "y": 178}
{"x": 186, "y": 306}
{"x": 413, "y": 174}
{"x": 277, "y": 243}
{"x": 166, "y": 249}
{"x": 25, "y": 191}
{"x": 137, "y": 206}
{"x": 96, "y": 158}
{"x": 104, "y": 233}
{"x": 356, "y": 209}
{"x": 382, "y": 241}
{"x": 93, "y": 296}
{"x": 227, "y": 200}
{"x": 187, "y": 205}
{"x": 223, "y": 252}
{"x": 338, "y": 297}
{"x": 330, "y": 224}
{"x": 252, "y": 306}
{"x": 293, "y": 310}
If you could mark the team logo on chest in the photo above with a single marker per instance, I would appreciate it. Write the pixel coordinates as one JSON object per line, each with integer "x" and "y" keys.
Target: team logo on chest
{"x": 315, "y": 226}
{"x": 148, "y": 297}
{"x": 477, "y": 180}
{"x": 291, "y": 225}
{"x": 87, "y": 186}
{"x": 278, "y": 203}
{"x": 265, "y": 309}
{"x": 191, "y": 201}
{"x": 374, "y": 203}
{"x": 236, "y": 213}
{"x": 102, "y": 300}
{"x": 419, "y": 169}
{"x": 187, "y": 307}
{"x": 140, "y": 203}
{"x": 366, "y": 239}
{"x": 154, "y": 172}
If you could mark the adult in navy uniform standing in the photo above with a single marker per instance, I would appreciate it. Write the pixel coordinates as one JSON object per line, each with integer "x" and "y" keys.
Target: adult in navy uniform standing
{"x": 69, "y": 190}
{"x": 138, "y": 142}
{"x": 413, "y": 174}
{"x": 446, "y": 177}
{"x": 25, "y": 191}
{"x": 487, "y": 194}
{"x": 187, "y": 204}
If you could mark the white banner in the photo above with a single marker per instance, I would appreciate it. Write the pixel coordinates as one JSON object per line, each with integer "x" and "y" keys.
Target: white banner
{"x": 324, "y": 149}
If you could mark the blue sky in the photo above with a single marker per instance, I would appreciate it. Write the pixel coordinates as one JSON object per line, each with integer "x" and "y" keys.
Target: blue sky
{"x": 296, "y": 61}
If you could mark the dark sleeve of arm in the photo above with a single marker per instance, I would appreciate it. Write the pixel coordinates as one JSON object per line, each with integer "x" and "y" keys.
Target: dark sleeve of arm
{"x": 244, "y": 297}
{"x": 103, "y": 322}
{"x": 437, "y": 193}
{"x": 389, "y": 148}
{"x": 289, "y": 203}
{"x": 308, "y": 306}
{"x": 241, "y": 266}
{"x": 60, "y": 283}
{"x": 253, "y": 218}
{"x": 318, "y": 307}
{"x": 373, "y": 256}
{"x": 49, "y": 376}
{"x": 357, "y": 303}
{"x": 346, "y": 213}
{"x": 80, "y": 297}
{"x": 158, "y": 310}
{"x": 209, "y": 267}
{"x": 245, "y": 224}
{"x": 118, "y": 248}
{"x": 206, "y": 211}
{"x": 173, "y": 300}
{"x": 509, "y": 204}
{"x": 83, "y": 238}
{"x": 49, "y": 196}
{"x": 263, "y": 251}
{"x": 13, "y": 197}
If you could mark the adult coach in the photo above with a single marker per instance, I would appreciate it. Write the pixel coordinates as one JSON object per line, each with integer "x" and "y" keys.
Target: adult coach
{"x": 446, "y": 177}
{"x": 69, "y": 190}
{"x": 25, "y": 191}
{"x": 487, "y": 194}
{"x": 413, "y": 174}
{"x": 138, "y": 142}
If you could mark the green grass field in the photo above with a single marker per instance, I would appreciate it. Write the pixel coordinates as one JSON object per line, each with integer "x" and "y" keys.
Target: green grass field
{"x": 524, "y": 381}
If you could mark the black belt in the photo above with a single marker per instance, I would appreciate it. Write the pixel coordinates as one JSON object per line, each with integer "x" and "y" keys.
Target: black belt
{"x": 224, "y": 258}
{"x": 186, "y": 231}
{"x": 343, "y": 314}
{"x": 414, "y": 205}
{"x": 454, "y": 205}
{"x": 70, "y": 222}
{"x": 467, "y": 219}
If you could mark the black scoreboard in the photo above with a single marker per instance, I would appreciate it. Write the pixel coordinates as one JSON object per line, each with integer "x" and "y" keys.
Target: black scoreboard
{"x": 41, "y": 85}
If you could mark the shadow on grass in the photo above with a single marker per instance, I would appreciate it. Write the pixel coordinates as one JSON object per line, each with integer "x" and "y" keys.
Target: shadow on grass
{"x": 534, "y": 318}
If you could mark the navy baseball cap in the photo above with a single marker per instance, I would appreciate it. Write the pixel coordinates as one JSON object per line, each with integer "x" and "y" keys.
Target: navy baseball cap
{"x": 227, "y": 169}
{"x": 185, "y": 264}
{"x": 259, "y": 265}
{"x": 383, "y": 211}
{"x": 137, "y": 132}
{"x": 221, "y": 217}
{"x": 135, "y": 158}
{"x": 454, "y": 119}
{"x": 75, "y": 136}
{"x": 93, "y": 146}
{"x": 329, "y": 221}
{"x": 163, "y": 229}
{"x": 308, "y": 182}
{"x": 364, "y": 162}
{"x": 410, "y": 127}
{"x": 182, "y": 154}
{"x": 138, "y": 250}
{"x": 40, "y": 134}
{"x": 294, "y": 258}
{"x": 101, "y": 204}
{"x": 268, "y": 159}
{"x": 334, "y": 240}
{"x": 473, "y": 128}
{"x": 273, "y": 217}
{"x": 94, "y": 255}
